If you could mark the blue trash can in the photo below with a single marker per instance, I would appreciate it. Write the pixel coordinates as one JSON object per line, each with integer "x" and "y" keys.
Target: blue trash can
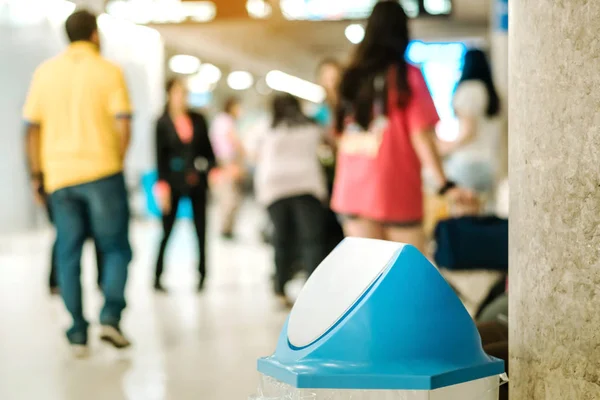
{"x": 376, "y": 320}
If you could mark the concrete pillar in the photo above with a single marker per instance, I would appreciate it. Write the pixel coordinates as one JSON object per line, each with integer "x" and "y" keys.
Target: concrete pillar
{"x": 555, "y": 199}
{"x": 499, "y": 58}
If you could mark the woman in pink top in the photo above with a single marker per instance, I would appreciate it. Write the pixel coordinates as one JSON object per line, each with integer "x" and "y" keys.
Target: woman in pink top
{"x": 184, "y": 157}
{"x": 387, "y": 119}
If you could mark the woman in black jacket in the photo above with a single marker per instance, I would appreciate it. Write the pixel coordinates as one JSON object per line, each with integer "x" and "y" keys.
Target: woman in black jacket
{"x": 184, "y": 157}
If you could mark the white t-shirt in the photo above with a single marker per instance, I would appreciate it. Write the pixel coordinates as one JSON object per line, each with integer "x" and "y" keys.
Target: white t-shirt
{"x": 472, "y": 99}
{"x": 287, "y": 164}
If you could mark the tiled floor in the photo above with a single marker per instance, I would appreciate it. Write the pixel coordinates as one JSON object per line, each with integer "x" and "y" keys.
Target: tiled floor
{"x": 187, "y": 346}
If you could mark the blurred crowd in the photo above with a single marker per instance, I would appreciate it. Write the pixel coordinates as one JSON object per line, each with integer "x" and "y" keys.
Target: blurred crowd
{"x": 365, "y": 163}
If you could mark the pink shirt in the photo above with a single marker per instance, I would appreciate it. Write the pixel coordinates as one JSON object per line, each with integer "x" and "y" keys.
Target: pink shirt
{"x": 381, "y": 179}
{"x": 185, "y": 128}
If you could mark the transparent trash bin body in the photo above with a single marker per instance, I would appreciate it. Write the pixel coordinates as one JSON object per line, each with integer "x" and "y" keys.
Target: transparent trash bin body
{"x": 377, "y": 321}
{"x": 482, "y": 389}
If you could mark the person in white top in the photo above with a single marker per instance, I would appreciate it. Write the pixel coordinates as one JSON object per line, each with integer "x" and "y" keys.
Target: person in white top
{"x": 290, "y": 183}
{"x": 475, "y": 156}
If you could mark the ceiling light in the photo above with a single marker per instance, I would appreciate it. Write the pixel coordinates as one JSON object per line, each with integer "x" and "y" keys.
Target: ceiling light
{"x": 437, "y": 7}
{"x": 200, "y": 11}
{"x": 306, "y": 90}
{"x": 411, "y": 7}
{"x": 205, "y": 79}
{"x": 184, "y": 64}
{"x": 210, "y": 73}
{"x": 259, "y": 9}
{"x": 293, "y": 9}
{"x": 355, "y": 33}
{"x": 240, "y": 80}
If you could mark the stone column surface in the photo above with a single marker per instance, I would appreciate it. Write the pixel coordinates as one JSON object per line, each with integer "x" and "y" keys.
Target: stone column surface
{"x": 554, "y": 127}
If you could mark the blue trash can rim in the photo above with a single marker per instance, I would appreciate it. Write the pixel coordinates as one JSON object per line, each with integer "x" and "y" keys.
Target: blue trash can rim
{"x": 408, "y": 331}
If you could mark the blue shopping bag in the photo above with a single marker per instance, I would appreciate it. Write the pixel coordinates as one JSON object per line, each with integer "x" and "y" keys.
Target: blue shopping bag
{"x": 149, "y": 179}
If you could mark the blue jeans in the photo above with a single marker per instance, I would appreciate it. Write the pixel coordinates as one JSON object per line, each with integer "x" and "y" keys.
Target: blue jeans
{"x": 100, "y": 206}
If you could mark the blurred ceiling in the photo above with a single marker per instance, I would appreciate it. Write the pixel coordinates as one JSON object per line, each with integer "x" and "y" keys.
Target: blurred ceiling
{"x": 233, "y": 40}
{"x": 295, "y": 47}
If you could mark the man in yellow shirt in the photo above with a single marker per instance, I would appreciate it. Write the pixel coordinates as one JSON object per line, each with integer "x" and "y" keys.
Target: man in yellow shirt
{"x": 79, "y": 121}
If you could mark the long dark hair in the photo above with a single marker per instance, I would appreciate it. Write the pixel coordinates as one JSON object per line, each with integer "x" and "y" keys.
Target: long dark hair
{"x": 287, "y": 110}
{"x": 477, "y": 68}
{"x": 384, "y": 46}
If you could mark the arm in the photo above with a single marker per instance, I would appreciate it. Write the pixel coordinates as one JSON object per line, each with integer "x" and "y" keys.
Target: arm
{"x": 120, "y": 108}
{"x": 427, "y": 151}
{"x": 422, "y": 117}
{"x": 123, "y": 127}
{"x": 425, "y": 147}
{"x": 33, "y": 141}
{"x": 162, "y": 189}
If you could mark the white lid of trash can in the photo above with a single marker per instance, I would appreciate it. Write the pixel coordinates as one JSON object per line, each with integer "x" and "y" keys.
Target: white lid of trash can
{"x": 336, "y": 285}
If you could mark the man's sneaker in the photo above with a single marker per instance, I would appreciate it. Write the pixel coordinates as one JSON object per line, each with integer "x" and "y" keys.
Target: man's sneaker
{"x": 80, "y": 351}
{"x": 114, "y": 336}
{"x": 78, "y": 339}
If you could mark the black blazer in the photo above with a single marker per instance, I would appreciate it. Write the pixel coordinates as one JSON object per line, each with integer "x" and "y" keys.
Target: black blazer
{"x": 176, "y": 159}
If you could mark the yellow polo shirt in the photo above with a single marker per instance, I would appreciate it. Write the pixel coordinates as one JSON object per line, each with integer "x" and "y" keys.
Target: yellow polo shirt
{"x": 75, "y": 98}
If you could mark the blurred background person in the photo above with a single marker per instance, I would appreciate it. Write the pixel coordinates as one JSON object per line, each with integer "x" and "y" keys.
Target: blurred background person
{"x": 231, "y": 158}
{"x": 475, "y": 156}
{"x": 290, "y": 182}
{"x": 387, "y": 118}
{"x": 329, "y": 73}
{"x": 184, "y": 157}
{"x": 79, "y": 124}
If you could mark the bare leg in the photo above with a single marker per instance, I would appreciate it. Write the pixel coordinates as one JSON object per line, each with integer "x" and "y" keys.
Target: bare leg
{"x": 363, "y": 228}
{"x": 410, "y": 235}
